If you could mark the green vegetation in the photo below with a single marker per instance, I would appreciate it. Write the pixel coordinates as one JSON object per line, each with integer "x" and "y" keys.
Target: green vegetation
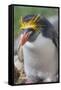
{"x": 22, "y": 11}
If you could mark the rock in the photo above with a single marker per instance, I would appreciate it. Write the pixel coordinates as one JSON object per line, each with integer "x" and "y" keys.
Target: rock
{"x": 16, "y": 74}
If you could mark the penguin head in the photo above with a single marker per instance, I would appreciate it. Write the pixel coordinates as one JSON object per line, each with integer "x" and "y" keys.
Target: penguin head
{"x": 31, "y": 24}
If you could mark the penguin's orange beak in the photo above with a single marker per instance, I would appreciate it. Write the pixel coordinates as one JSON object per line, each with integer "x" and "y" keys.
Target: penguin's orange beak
{"x": 24, "y": 38}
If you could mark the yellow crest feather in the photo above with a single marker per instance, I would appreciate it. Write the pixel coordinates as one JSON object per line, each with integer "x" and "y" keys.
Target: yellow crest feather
{"x": 29, "y": 24}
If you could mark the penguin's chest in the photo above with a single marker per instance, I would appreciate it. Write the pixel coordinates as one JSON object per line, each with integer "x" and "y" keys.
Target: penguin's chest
{"x": 39, "y": 55}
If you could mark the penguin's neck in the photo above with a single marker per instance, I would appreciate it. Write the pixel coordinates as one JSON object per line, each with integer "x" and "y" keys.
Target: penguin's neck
{"x": 40, "y": 40}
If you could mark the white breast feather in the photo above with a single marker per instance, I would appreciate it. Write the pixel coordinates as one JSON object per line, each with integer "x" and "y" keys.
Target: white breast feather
{"x": 40, "y": 57}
